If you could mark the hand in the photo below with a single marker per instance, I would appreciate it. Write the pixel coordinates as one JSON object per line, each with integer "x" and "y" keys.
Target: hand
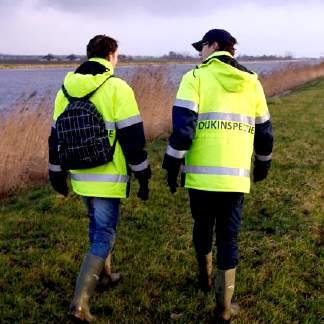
{"x": 172, "y": 166}
{"x": 172, "y": 181}
{"x": 143, "y": 191}
{"x": 260, "y": 171}
{"x": 58, "y": 182}
{"x": 143, "y": 180}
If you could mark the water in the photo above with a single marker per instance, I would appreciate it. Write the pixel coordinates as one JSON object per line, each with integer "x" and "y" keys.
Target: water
{"x": 32, "y": 85}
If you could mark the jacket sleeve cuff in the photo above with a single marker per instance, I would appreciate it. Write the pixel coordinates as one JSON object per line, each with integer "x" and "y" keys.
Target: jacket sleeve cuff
{"x": 54, "y": 167}
{"x": 263, "y": 158}
{"x": 177, "y": 154}
{"x": 140, "y": 166}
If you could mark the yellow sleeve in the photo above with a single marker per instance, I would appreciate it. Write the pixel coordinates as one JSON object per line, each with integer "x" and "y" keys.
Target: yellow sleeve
{"x": 126, "y": 109}
{"x": 262, "y": 112}
{"x": 188, "y": 89}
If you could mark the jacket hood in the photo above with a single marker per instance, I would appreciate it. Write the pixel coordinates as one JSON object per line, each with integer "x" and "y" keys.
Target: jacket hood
{"x": 231, "y": 78}
{"x": 79, "y": 85}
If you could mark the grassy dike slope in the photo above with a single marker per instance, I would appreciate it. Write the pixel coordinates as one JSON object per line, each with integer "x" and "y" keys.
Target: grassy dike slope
{"x": 43, "y": 238}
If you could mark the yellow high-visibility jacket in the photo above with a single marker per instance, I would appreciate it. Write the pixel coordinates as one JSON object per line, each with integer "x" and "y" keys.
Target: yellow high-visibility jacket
{"x": 219, "y": 107}
{"x": 116, "y": 102}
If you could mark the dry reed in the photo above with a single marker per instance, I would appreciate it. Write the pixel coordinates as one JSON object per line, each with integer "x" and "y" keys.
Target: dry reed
{"x": 155, "y": 95}
{"x": 23, "y": 148}
{"x": 23, "y": 135}
{"x": 290, "y": 77}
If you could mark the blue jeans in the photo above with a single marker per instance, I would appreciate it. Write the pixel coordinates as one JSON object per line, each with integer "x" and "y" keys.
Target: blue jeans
{"x": 103, "y": 218}
{"x": 218, "y": 212}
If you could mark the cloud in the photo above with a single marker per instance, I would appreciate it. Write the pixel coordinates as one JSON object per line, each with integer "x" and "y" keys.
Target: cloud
{"x": 156, "y": 8}
{"x": 8, "y": 6}
{"x": 148, "y": 28}
{"x": 117, "y": 7}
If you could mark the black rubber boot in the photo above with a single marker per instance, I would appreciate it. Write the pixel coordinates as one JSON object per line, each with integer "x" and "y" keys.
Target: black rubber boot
{"x": 205, "y": 265}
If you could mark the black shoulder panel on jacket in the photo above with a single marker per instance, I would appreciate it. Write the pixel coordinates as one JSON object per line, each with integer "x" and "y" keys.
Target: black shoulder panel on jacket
{"x": 91, "y": 67}
{"x": 132, "y": 142}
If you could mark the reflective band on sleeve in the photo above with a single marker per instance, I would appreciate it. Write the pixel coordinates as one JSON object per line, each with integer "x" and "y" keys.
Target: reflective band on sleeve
{"x": 54, "y": 167}
{"x": 227, "y": 116}
{"x": 129, "y": 121}
{"x": 175, "y": 153}
{"x": 186, "y": 104}
{"x": 217, "y": 171}
{"x": 139, "y": 167}
{"x": 99, "y": 177}
{"x": 110, "y": 125}
{"x": 262, "y": 119}
{"x": 263, "y": 158}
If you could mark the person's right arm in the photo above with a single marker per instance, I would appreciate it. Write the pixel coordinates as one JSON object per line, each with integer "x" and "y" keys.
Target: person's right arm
{"x": 184, "y": 120}
{"x": 57, "y": 176}
{"x": 263, "y": 138}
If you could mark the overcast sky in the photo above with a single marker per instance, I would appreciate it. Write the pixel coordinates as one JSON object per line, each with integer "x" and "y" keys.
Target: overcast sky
{"x": 151, "y": 27}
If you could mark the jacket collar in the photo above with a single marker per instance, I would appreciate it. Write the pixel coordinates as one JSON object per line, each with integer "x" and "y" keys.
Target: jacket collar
{"x": 103, "y": 62}
{"x": 215, "y": 55}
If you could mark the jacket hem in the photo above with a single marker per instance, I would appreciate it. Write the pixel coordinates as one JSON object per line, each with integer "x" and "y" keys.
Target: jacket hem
{"x": 218, "y": 189}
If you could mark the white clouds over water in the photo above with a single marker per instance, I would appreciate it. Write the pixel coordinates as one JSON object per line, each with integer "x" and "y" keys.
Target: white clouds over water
{"x": 156, "y": 27}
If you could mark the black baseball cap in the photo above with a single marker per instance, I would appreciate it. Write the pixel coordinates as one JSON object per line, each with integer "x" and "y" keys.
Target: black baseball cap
{"x": 213, "y": 35}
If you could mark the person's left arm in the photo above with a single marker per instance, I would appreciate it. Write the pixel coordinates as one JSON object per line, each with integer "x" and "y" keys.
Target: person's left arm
{"x": 131, "y": 137}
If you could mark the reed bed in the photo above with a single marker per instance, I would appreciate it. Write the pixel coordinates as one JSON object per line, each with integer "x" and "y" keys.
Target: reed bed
{"x": 155, "y": 96}
{"x": 24, "y": 133}
{"x": 292, "y": 76}
{"x": 23, "y": 148}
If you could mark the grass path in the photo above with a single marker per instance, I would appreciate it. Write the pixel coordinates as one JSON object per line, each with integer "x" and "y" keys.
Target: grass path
{"x": 280, "y": 279}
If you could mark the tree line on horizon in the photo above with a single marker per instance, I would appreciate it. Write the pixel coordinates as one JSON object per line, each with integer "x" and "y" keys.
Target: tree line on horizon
{"x": 171, "y": 56}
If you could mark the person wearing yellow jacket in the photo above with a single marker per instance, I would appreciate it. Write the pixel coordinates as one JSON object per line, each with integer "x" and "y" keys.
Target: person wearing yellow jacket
{"x": 220, "y": 121}
{"x": 103, "y": 186}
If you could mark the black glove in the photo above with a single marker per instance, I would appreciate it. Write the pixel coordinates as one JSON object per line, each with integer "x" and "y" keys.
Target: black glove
{"x": 58, "y": 182}
{"x": 143, "y": 191}
{"x": 260, "y": 170}
{"x": 172, "y": 180}
{"x": 172, "y": 166}
{"x": 143, "y": 180}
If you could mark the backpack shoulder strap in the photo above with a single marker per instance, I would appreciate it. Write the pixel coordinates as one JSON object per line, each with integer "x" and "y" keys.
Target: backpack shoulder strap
{"x": 114, "y": 144}
{"x": 86, "y": 97}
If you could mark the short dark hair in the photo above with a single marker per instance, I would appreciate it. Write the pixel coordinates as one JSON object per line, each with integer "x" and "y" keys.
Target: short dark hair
{"x": 101, "y": 46}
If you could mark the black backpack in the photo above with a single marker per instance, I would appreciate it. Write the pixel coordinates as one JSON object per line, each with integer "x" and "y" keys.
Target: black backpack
{"x": 82, "y": 135}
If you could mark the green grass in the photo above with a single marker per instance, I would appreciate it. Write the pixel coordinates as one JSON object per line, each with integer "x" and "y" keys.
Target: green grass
{"x": 43, "y": 238}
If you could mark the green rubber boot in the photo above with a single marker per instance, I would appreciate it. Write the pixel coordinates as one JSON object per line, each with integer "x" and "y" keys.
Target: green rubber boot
{"x": 107, "y": 277}
{"x": 85, "y": 285}
{"x": 225, "y": 284}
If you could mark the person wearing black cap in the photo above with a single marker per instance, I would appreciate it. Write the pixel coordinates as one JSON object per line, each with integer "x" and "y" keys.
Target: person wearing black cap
{"x": 220, "y": 120}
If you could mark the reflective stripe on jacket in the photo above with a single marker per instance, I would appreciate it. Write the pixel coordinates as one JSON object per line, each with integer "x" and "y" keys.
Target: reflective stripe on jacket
{"x": 215, "y": 115}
